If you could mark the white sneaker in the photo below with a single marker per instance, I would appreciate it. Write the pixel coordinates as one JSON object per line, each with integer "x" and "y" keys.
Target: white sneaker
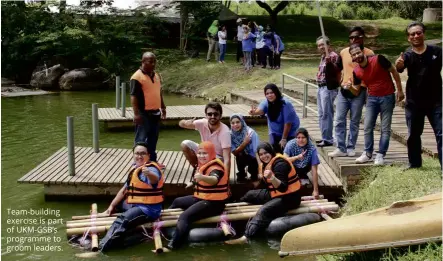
{"x": 363, "y": 158}
{"x": 379, "y": 160}
{"x": 350, "y": 152}
{"x": 337, "y": 153}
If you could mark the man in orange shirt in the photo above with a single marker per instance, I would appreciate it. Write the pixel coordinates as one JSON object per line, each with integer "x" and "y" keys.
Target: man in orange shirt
{"x": 147, "y": 103}
{"x": 349, "y": 99}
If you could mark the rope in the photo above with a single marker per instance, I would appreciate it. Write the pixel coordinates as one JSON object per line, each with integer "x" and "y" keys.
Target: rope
{"x": 92, "y": 228}
{"x": 224, "y": 220}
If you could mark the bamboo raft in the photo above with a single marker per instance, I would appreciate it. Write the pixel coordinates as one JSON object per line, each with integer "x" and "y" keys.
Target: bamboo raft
{"x": 95, "y": 224}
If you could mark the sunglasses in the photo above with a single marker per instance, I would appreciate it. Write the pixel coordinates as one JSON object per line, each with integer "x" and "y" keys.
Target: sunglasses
{"x": 215, "y": 114}
{"x": 416, "y": 33}
{"x": 355, "y": 37}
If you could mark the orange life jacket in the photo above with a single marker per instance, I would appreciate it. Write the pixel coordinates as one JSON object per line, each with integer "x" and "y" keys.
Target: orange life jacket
{"x": 293, "y": 180}
{"x": 219, "y": 191}
{"x": 151, "y": 90}
{"x": 138, "y": 192}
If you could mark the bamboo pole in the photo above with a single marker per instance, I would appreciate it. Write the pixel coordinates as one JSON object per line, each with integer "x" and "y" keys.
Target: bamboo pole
{"x": 228, "y": 206}
{"x": 216, "y": 219}
{"x": 94, "y": 236}
{"x": 172, "y": 215}
{"x": 226, "y": 230}
{"x": 158, "y": 242}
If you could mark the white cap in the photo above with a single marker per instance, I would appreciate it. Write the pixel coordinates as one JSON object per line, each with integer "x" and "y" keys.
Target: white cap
{"x": 239, "y": 20}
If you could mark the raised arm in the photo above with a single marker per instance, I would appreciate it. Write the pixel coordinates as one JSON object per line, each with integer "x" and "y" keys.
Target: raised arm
{"x": 187, "y": 124}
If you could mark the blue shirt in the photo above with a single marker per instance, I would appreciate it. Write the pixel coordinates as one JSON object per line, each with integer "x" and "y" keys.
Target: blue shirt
{"x": 281, "y": 46}
{"x": 248, "y": 44}
{"x": 290, "y": 151}
{"x": 287, "y": 115}
{"x": 151, "y": 210}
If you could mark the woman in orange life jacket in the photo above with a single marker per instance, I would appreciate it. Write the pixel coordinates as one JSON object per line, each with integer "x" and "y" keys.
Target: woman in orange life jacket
{"x": 211, "y": 191}
{"x": 140, "y": 198}
{"x": 280, "y": 195}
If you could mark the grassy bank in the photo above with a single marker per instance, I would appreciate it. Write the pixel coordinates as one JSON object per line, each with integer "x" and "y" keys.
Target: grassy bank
{"x": 212, "y": 80}
{"x": 381, "y": 186}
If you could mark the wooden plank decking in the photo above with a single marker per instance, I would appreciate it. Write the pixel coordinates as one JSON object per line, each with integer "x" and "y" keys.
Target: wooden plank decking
{"x": 342, "y": 166}
{"x": 103, "y": 173}
{"x": 399, "y": 130}
{"x": 112, "y": 117}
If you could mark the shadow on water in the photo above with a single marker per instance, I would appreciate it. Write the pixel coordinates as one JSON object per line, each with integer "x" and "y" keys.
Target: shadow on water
{"x": 33, "y": 128}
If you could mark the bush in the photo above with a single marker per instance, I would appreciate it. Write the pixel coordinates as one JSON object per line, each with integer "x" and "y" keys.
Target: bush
{"x": 366, "y": 13}
{"x": 386, "y": 13}
{"x": 344, "y": 11}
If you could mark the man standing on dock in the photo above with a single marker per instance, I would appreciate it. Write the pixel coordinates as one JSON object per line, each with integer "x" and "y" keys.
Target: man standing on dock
{"x": 210, "y": 129}
{"x": 326, "y": 94}
{"x": 423, "y": 90}
{"x": 147, "y": 103}
{"x": 349, "y": 100}
{"x": 376, "y": 71}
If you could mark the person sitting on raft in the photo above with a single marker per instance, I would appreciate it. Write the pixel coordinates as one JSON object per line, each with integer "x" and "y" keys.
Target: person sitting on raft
{"x": 304, "y": 157}
{"x": 211, "y": 191}
{"x": 140, "y": 198}
{"x": 281, "y": 193}
{"x": 244, "y": 142}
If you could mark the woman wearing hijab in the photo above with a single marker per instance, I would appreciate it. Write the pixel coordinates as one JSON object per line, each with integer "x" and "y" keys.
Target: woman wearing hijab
{"x": 141, "y": 198}
{"x": 212, "y": 35}
{"x": 303, "y": 155}
{"x": 244, "y": 142}
{"x": 268, "y": 49}
{"x": 282, "y": 118}
{"x": 278, "y": 50}
{"x": 248, "y": 44}
{"x": 281, "y": 193}
{"x": 211, "y": 191}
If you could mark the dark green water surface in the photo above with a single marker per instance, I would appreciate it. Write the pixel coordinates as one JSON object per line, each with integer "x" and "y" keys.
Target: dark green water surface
{"x": 33, "y": 128}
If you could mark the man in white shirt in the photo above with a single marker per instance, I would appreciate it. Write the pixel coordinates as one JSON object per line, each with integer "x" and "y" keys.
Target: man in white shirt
{"x": 239, "y": 38}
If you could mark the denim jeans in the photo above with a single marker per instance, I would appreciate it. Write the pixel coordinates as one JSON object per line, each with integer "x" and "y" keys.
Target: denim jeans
{"x": 148, "y": 132}
{"x": 222, "y": 52}
{"x": 415, "y": 119}
{"x": 325, "y": 104}
{"x": 248, "y": 61}
{"x": 385, "y": 107}
{"x": 124, "y": 222}
{"x": 355, "y": 106}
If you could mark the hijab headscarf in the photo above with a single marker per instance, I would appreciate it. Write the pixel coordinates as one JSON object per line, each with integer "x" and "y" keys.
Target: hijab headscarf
{"x": 210, "y": 149}
{"x": 296, "y": 150}
{"x": 237, "y": 137}
{"x": 275, "y": 107}
{"x": 268, "y": 148}
{"x": 213, "y": 29}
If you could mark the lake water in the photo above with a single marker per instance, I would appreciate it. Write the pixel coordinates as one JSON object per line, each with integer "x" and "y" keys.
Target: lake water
{"x": 33, "y": 128}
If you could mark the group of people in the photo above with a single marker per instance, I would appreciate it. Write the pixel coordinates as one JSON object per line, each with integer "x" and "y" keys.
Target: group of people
{"x": 281, "y": 164}
{"x": 255, "y": 46}
{"x": 357, "y": 77}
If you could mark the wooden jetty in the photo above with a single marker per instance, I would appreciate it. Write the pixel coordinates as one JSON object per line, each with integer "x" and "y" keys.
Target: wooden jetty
{"x": 399, "y": 130}
{"x": 112, "y": 117}
{"x": 344, "y": 167}
{"x": 103, "y": 174}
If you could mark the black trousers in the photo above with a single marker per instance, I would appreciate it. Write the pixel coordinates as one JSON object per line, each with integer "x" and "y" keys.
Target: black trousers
{"x": 272, "y": 208}
{"x": 303, "y": 172}
{"x": 245, "y": 160}
{"x": 253, "y": 59}
{"x": 239, "y": 50}
{"x": 195, "y": 209}
{"x": 259, "y": 55}
{"x": 277, "y": 59}
{"x": 267, "y": 54}
{"x": 415, "y": 119}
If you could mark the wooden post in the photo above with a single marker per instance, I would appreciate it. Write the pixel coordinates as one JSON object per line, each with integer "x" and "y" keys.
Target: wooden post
{"x": 282, "y": 83}
{"x": 71, "y": 149}
{"x": 95, "y": 143}
{"x": 94, "y": 236}
{"x": 123, "y": 108}
{"x": 305, "y": 100}
{"x": 117, "y": 92}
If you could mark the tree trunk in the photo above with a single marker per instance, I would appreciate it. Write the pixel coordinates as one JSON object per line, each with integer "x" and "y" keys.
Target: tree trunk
{"x": 62, "y": 6}
{"x": 184, "y": 15}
